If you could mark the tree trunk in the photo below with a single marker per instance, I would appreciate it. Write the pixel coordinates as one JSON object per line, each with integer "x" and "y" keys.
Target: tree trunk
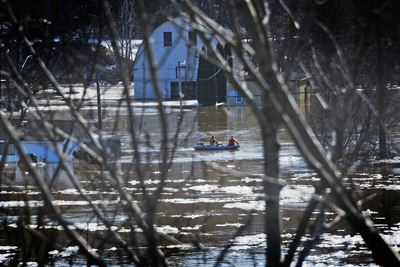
{"x": 272, "y": 191}
{"x": 381, "y": 93}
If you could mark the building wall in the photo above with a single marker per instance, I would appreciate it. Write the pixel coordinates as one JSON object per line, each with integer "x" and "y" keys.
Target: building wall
{"x": 166, "y": 60}
{"x": 298, "y": 89}
{"x": 234, "y": 98}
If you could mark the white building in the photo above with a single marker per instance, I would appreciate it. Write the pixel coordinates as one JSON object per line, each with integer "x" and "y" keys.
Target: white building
{"x": 175, "y": 49}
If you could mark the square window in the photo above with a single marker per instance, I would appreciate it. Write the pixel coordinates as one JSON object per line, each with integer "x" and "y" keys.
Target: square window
{"x": 167, "y": 39}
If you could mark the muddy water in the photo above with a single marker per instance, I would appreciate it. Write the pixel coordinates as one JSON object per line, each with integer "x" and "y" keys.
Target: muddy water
{"x": 198, "y": 205}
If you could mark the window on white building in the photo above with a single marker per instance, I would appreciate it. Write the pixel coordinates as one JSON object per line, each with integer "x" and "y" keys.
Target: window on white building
{"x": 167, "y": 39}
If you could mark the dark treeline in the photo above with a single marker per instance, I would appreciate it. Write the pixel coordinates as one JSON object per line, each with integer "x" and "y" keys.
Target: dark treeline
{"x": 350, "y": 20}
{"x": 345, "y": 44}
{"x": 62, "y": 30}
{"x": 73, "y": 20}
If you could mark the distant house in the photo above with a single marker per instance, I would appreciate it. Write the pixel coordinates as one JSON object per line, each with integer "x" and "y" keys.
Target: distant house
{"x": 176, "y": 55}
{"x": 298, "y": 87}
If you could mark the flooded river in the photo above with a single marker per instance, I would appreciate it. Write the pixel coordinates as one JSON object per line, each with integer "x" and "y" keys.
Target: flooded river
{"x": 200, "y": 206}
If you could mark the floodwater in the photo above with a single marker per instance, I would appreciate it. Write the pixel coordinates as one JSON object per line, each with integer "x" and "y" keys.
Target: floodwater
{"x": 199, "y": 205}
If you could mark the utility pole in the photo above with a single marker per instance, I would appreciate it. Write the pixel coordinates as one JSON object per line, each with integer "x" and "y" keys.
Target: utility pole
{"x": 99, "y": 117}
{"x": 180, "y": 87}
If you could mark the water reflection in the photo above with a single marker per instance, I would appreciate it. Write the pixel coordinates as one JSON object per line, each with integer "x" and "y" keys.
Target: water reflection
{"x": 211, "y": 119}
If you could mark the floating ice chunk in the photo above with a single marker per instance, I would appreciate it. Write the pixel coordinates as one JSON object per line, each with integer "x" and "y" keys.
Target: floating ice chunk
{"x": 237, "y": 189}
{"x": 8, "y": 247}
{"x": 243, "y": 242}
{"x": 250, "y": 180}
{"x": 251, "y": 205}
{"x": 194, "y": 228}
{"x": 204, "y": 188}
{"x": 230, "y": 224}
{"x": 167, "y": 229}
{"x": 393, "y": 187}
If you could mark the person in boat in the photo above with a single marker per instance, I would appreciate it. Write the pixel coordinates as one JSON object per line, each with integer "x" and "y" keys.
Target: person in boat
{"x": 232, "y": 141}
{"x": 213, "y": 140}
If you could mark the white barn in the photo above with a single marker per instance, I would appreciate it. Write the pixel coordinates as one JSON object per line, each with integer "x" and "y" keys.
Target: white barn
{"x": 175, "y": 51}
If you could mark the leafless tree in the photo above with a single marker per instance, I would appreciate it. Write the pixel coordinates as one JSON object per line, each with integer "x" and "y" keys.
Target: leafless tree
{"x": 138, "y": 210}
{"x": 128, "y": 28}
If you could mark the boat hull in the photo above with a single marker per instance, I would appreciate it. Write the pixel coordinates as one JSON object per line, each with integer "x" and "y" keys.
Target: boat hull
{"x": 217, "y": 147}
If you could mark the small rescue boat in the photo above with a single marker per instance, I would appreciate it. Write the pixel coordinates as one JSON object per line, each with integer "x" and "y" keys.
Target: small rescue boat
{"x": 202, "y": 146}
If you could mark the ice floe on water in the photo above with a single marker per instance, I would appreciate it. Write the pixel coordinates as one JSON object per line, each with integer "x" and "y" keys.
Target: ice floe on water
{"x": 202, "y": 181}
{"x": 3, "y": 257}
{"x": 392, "y": 187}
{"x": 369, "y": 212}
{"x": 249, "y": 241}
{"x": 198, "y": 200}
{"x": 339, "y": 241}
{"x": 194, "y": 216}
{"x": 192, "y": 228}
{"x": 6, "y": 252}
{"x": 250, "y": 205}
{"x": 296, "y": 195}
{"x": 72, "y": 191}
{"x": 39, "y": 203}
{"x": 204, "y": 188}
{"x": 25, "y": 192}
{"x": 291, "y": 196}
{"x": 237, "y": 189}
{"x": 146, "y": 182}
{"x": 286, "y": 161}
{"x": 251, "y": 180}
{"x": 94, "y": 227}
{"x": 16, "y": 204}
{"x": 167, "y": 229}
{"x": 392, "y": 237}
{"x": 230, "y": 225}
{"x": 170, "y": 189}
{"x": 66, "y": 252}
{"x": 2, "y": 248}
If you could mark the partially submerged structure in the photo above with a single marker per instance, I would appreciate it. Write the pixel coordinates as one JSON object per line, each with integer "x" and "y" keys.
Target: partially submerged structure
{"x": 298, "y": 87}
{"x": 36, "y": 145}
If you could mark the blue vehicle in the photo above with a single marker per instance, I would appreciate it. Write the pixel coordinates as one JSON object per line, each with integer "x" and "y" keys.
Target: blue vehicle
{"x": 219, "y": 146}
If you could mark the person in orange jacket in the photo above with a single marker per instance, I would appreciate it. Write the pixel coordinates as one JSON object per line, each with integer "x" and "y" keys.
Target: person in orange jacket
{"x": 213, "y": 140}
{"x": 232, "y": 141}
